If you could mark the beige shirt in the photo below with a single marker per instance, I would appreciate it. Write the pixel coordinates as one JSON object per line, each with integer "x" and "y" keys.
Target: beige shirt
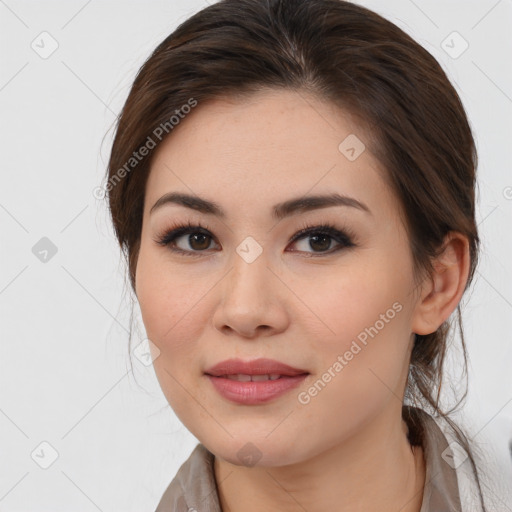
{"x": 194, "y": 489}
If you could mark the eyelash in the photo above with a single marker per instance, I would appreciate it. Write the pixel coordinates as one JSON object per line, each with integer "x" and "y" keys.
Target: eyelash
{"x": 344, "y": 237}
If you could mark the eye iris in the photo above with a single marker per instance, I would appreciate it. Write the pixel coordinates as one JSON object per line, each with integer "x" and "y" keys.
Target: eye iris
{"x": 324, "y": 238}
{"x": 194, "y": 237}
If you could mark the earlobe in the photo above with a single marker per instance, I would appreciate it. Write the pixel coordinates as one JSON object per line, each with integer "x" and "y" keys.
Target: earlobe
{"x": 444, "y": 288}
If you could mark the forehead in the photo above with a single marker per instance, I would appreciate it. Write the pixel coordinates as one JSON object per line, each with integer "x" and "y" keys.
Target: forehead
{"x": 270, "y": 145}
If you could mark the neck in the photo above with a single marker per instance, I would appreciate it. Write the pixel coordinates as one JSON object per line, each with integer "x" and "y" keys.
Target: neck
{"x": 377, "y": 469}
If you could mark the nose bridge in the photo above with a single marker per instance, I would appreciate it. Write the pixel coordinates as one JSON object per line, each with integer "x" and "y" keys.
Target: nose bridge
{"x": 249, "y": 271}
{"x": 249, "y": 295}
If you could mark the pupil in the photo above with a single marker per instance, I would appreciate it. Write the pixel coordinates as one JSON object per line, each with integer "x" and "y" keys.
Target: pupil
{"x": 324, "y": 238}
{"x": 194, "y": 237}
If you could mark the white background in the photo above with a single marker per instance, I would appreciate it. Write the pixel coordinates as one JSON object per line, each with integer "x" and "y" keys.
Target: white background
{"x": 65, "y": 375}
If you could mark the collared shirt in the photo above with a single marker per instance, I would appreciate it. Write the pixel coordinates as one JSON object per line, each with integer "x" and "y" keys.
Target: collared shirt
{"x": 194, "y": 488}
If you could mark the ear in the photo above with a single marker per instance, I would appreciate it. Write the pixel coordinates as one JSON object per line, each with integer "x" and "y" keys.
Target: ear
{"x": 441, "y": 292}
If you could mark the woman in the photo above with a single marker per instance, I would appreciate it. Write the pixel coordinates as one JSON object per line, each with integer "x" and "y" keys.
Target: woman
{"x": 292, "y": 182}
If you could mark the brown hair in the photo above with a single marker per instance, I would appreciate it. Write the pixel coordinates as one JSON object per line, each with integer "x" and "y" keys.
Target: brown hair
{"x": 344, "y": 54}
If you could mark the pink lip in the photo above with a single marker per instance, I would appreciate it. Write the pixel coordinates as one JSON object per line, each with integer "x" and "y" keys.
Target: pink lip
{"x": 255, "y": 367}
{"x": 252, "y": 393}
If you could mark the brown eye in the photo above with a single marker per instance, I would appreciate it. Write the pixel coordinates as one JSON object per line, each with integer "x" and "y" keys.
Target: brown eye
{"x": 199, "y": 241}
{"x": 188, "y": 240}
{"x": 320, "y": 242}
{"x": 318, "y": 239}
{"x": 192, "y": 240}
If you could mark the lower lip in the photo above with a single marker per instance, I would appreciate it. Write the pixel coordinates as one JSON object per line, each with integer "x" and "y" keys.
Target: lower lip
{"x": 253, "y": 393}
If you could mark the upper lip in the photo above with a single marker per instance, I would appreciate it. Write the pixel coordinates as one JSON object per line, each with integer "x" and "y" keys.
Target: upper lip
{"x": 254, "y": 367}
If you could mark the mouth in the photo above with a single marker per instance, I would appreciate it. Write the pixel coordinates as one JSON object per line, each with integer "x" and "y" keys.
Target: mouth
{"x": 254, "y": 382}
{"x": 253, "y": 368}
{"x": 240, "y": 377}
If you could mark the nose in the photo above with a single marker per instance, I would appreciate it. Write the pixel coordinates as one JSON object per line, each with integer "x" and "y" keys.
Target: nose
{"x": 251, "y": 300}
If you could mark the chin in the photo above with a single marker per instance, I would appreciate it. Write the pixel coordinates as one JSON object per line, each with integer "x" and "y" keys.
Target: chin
{"x": 256, "y": 451}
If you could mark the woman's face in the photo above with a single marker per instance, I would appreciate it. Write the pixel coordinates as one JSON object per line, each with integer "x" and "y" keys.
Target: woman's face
{"x": 338, "y": 307}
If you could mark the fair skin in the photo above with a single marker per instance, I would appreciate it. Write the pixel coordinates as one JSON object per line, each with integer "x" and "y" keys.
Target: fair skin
{"x": 346, "y": 448}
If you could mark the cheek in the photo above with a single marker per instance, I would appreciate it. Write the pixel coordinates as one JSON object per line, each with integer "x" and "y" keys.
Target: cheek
{"x": 169, "y": 300}
{"x": 171, "y": 309}
{"x": 366, "y": 319}
{"x": 172, "y": 314}
{"x": 354, "y": 301}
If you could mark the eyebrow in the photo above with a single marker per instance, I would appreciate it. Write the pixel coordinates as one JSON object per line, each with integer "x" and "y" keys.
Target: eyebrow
{"x": 280, "y": 211}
